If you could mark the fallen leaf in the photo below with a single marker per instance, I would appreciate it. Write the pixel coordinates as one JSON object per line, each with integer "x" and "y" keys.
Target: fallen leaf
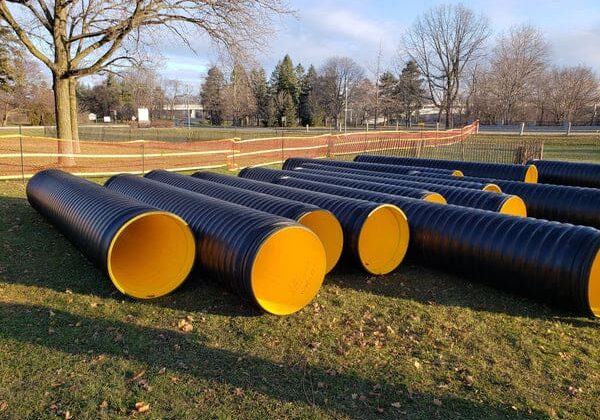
{"x": 142, "y": 407}
{"x": 239, "y": 392}
{"x": 68, "y": 415}
{"x": 437, "y": 402}
{"x": 103, "y": 405}
{"x": 417, "y": 364}
{"x": 396, "y": 405}
{"x": 320, "y": 384}
{"x": 184, "y": 326}
{"x": 93, "y": 305}
{"x": 3, "y": 405}
{"x": 138, "y": 375}
{"x": 162, "y": 370}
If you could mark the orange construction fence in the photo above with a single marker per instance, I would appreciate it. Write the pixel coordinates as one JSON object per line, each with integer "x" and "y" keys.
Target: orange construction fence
{"x": 22, "y": 156}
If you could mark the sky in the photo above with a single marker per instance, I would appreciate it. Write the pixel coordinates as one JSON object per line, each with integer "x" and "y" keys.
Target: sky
{"x": 356, "y": 28}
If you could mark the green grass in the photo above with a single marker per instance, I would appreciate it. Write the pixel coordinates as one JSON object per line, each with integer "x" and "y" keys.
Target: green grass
{"x": 417, "y": 343}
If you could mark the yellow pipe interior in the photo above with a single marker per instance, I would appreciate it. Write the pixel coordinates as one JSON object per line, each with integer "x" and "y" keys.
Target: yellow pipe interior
{"x": 531, "y": 175}
{"x": 383, "y": 239}
{"x": 435, "y": 198}
{"x": 151, "y": 255}
{"x": 327, "y": 227}
{"x": 288, "y": 270}
{"x": 594, "y": 286}
{"x": 492, "y": 188}
{"x": 515, "y": 206}
{"x": 456, "y": 172}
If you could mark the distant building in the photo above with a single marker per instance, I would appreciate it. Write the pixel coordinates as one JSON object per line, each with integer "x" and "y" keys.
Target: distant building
{"x": 181, "y": 111}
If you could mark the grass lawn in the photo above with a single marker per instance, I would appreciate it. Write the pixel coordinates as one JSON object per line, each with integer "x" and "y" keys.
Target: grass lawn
{"x": 413, "y": 344}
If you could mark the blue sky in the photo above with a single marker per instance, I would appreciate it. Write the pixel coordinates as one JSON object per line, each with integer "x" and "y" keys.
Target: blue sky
{"x": 355, "y": 28}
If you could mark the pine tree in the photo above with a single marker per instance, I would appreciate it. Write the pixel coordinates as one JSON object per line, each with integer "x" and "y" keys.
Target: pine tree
{"x": 307, "y": 102}
{"x": 284, "y": 92}
{"x": 211, "y": 95}
{"x": 410, "y": 91}
{"x": 260, "y": 90}
{"x": 388, "y": 89}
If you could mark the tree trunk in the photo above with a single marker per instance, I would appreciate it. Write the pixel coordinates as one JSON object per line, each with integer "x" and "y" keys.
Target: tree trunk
{"x": 62, "y": 110}
{"x": 73, "y": 111}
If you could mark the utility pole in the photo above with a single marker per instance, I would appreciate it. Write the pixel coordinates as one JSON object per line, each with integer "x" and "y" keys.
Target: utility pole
{"x": 345, "y": 104}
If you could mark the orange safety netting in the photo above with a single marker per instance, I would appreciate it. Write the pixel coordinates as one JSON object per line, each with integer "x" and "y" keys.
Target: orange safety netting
{"x": 23, "y": 156}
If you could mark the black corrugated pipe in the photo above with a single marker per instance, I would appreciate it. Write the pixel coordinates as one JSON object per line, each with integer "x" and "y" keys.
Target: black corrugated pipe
{"x": 271, "y": 175}
{"x": 144, "y": 251}
{"x": 579, "y": 174}
{"x": 547, "y": 261}
{"x": 275, "y": 262}
{"x": 501, "y": 203}
{"x": 363, "y": 222}
{"x": 320, "y": 221}
{"x": 451, "y": 182}
{"x": 576, "y": 205}
{"x": 291, "y": 163}
{"x": 526, "y": 173}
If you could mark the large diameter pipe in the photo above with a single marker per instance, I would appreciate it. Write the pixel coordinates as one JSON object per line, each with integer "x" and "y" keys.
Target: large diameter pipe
{"x": 271, "y": 175}
{"x": 275, "y": 262}
{"x": 375, "y": 235}
{"x": 526, "y": 173}
{"x": 290, "y": 163}
{"x": 501, "y": 203}
{"x": 145, "y": 252}
{"x": 568, "y": 173}
{"x": 322, "y": 222}
{"x": 452, "y": 181}
{"x": 567, "y": 204}
{"x": 547, "y": 261}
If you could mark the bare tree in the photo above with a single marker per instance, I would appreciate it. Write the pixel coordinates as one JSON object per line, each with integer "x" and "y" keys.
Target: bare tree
{"x": 337, "y": 75}
{"x": 573, "y": 91}
{"x": 77, "y": 38}
{"x": 519, "y": 58}
{"x": 444, "y": 42}
{"x": 239, "y": 101}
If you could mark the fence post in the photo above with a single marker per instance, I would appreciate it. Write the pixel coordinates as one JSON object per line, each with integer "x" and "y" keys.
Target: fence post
{"x": 542, "y": 150}
{"x": 21, "y": 149}
{"x": 282, "y": 148}
{"x": 569, "y": 128}
{"x": 143, "y": 160}
{"x": 522, "y": 129}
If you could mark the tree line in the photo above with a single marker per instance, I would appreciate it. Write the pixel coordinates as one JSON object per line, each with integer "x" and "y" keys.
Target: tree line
{"x": 448, "y": 60}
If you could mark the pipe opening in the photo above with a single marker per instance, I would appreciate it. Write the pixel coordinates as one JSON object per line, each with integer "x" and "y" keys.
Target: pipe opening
{"x": 435, "y": 198}
{"x": 594, "y": 286}
{"x": 151, "y": 255}
{"x": 515, "y": 206}
{"x": 456, "y": 172}
{"x": 288, "y": 270}
{"x": 327, "y": 227}
{"x": 492, "y": 188}
{"x": 531, "y": 175}
{"x": 383, "y": 239}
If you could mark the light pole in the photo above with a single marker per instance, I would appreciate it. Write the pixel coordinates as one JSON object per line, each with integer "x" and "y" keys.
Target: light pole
{"x": 345, "y": 104}
{"x": 187, "y": 105}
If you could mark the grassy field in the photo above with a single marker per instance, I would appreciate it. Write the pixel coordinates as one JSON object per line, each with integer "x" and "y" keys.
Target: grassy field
{"x": 414, "y": 344}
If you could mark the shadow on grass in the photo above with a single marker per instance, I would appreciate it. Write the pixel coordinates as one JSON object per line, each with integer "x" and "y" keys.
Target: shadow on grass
{"x": 162, "y": 348}
{"x": 433, "y": 287}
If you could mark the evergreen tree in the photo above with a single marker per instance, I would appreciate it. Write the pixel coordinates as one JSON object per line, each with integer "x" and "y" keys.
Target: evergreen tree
{"x": 410, "y": 91}
{"x": 285, "y": 92}
{"x": 388, "y": 89}
{"x": 260, "y": 90}
{"x": 211, "y": 95}
{"x": 308, "y": 101}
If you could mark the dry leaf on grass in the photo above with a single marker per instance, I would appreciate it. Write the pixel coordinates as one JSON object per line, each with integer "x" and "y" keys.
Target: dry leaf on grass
{"x": 184, "y": 325}
{"x": 142, "y": 407}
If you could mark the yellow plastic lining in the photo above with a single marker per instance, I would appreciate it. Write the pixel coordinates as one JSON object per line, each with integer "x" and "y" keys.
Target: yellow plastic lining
{"x": 435, "y": 198}
{"x": 531, "y": 175}
{"x": 383, "y": 239}
{"x": 515, "y": 206}
{"x": 492, "y": 188}
{"x": 456, "y": 172}
{"x": 288, "y": 270}
{"x": 151, "y": 255}
{"x": 327, "y": 227}
{"x": 594, "y": 286}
